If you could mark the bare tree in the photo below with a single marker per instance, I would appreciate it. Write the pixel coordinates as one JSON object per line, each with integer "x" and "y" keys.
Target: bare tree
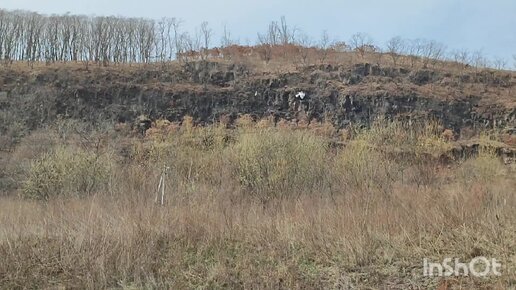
{"x": 145, "y": 39}
{"x": 461, "y": 56}
{"x": 170, "y": 37}
{"x": 3, "y": 30}
{"x": 191, "y": 45}
{"x": 32, "y": 37}
{"x": 378, "y": 54}
{"x": 415, "y": 49}
{"x": 324, "y": 45}
{"x": 178, "y": 43}
{"x": 265, "y": 46}
{"x": 34, "y": 26}
{"x": 273, "y": 34}
{"x": 286, "y": 34}
{"x": 478, "y": 60}
{"x": 361, "y": 43}
{"x": 51, "y": 39}
{"x": 395, "y": 48}
{"x": 226, "y": 38}
{"x": 206, "y": 33}
{"x": 339, "y": 46}
{"x": 305, "y": 45}
{"x": 272, "y": 38}
{"x": 500, "y": 63}
{"x": 161, "y": 39}
{"x": 431, "y": 52}
{"x": 75, "y": 35}
{"x": 60, "y": 38}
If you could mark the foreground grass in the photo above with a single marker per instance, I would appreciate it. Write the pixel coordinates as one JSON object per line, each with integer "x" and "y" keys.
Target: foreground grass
{"x": 240, "y": 216}
{"x": 211, "y": 241}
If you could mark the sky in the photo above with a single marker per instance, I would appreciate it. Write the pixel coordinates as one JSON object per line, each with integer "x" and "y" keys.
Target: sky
{"x": 486, "y": 25}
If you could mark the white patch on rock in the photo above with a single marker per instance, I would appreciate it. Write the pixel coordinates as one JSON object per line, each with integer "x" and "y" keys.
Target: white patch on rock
{"x": 301, "y": 95}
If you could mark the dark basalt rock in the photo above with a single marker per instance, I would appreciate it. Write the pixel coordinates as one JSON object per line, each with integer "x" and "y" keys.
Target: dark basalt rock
{"x": 208, "y": 90}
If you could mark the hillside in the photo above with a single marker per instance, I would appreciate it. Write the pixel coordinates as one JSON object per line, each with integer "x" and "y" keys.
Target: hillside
{"x": 146, "y": 153}
{"x": 240, "y": 174}
{"x": 341, "y": 93}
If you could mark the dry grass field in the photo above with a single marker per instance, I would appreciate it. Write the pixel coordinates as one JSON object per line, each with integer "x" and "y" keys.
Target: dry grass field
{"x": 254, "y": 205}
{"x": 135, "y": 155}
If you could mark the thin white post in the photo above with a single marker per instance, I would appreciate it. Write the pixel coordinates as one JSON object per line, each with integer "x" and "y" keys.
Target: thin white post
{"x": 161, "y": 185}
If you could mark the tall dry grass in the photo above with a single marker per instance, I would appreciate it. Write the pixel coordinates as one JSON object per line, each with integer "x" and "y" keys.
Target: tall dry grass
{"x": 256, "y": 207}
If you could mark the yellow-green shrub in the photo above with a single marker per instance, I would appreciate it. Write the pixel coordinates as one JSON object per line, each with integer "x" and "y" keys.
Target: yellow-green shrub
{"x": 194, "y": 154}
{"x": 278, "y": 163}
{"x": 421, "y": 140}
{"x": 361, "y": 166}
{"x": 484, "y": 167}
{"x": 67, "y": 171}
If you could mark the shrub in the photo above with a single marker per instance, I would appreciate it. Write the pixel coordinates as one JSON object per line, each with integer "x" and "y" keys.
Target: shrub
{"x": 485, "y": 167}
{"x": 362, "y": 167}
{"x": 418, "y": 139}
{"x": 387, "y": 150}
{"x": 194, "y": 154}
{"x": 388, "y": 135}
{"x": 279, "y": 163}
{"x": 65, "y": 171}
{"x": 15, "y": 166}
{"x": 245, "y": 122}
{"x": 432, "y": 142}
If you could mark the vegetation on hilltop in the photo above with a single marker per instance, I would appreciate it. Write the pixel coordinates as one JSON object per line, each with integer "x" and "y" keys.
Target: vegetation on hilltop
{"x": 32, "y": 37}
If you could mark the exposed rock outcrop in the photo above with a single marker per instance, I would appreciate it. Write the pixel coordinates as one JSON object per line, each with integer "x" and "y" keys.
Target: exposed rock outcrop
{"x": 206, "y": 91}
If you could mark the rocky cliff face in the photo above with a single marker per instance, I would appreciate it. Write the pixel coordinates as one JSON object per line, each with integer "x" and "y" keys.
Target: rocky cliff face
{"x": 208, "y": 90}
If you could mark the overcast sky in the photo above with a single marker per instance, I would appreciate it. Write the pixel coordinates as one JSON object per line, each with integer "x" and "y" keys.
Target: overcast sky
{"x": 487, "y": 25}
